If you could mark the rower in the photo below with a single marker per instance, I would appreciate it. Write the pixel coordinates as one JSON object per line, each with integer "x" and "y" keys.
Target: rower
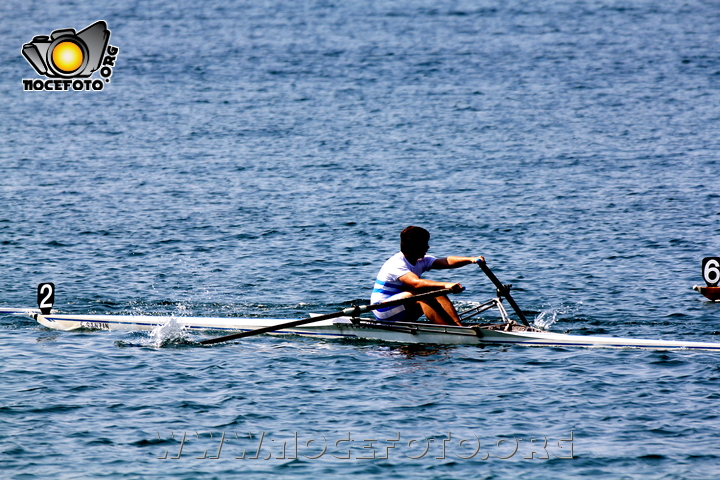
{"x": 401, "y": 277}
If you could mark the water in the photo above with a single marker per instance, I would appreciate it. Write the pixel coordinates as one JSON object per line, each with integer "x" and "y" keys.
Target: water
{"x": 260, "y": 159}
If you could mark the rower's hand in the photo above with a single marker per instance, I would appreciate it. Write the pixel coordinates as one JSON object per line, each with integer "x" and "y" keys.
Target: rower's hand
{"x": 456, "y": 288}
{"x": 479, "y": 260}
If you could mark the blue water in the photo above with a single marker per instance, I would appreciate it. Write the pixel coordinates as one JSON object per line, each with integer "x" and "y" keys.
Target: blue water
{"x": 260, "y": 159}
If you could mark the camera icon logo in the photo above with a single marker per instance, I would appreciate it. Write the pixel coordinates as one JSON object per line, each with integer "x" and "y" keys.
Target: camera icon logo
{"x": 68, "y": 54}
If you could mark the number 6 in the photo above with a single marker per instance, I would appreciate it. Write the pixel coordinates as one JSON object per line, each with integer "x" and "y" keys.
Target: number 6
{"x": 711, "y": 270}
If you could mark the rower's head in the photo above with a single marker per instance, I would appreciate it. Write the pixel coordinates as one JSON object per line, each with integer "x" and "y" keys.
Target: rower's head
{"x": 414, "y": 243}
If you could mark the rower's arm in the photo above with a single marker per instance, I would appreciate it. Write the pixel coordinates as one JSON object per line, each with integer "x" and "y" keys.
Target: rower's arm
{"x": 455, "y": 262}
{"x": 415, "y": 282}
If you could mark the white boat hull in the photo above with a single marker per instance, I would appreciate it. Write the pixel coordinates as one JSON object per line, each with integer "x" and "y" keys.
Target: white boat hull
{"x": 345, "y": 327}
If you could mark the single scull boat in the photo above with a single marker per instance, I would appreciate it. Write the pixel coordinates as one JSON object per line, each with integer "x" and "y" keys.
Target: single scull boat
{"x": 504, "y": 332}
{"x": 359, "y": 328}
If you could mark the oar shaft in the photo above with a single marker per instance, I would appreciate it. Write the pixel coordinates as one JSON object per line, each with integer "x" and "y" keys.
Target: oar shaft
{"x": 273, "y": 328}
{"x": 505, "y": 292}
{"x": 348, "y": 312}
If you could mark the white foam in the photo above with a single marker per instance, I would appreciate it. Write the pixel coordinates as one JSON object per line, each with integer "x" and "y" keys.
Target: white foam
{"x": 168, "y": 333}
{"x": 548, "y": 316}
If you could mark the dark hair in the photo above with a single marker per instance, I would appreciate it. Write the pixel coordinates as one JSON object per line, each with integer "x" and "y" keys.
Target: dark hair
{"x": 411, "y": 237}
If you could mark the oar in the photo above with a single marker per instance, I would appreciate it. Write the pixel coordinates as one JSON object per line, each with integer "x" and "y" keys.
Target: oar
{"x": 349, "y": 312}
{"x": 504, "y": 292}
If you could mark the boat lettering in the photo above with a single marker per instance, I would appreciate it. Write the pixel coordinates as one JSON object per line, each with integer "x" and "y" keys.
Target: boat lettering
{"x": 95, "y": 325}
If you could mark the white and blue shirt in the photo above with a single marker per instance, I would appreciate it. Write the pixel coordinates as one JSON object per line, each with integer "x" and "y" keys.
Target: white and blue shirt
{"x": 387, "y": 283}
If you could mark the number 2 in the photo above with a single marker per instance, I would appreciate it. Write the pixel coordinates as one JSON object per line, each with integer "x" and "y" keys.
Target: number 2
{"x": 46, "y": 297}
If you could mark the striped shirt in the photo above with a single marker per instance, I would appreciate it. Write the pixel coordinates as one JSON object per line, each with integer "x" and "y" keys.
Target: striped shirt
{"x": 387, "y": 283}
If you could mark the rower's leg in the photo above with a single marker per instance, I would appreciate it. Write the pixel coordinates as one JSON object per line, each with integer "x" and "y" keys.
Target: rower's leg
{"x": 410, "y": 312}
{"x": 440, "y": 310}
